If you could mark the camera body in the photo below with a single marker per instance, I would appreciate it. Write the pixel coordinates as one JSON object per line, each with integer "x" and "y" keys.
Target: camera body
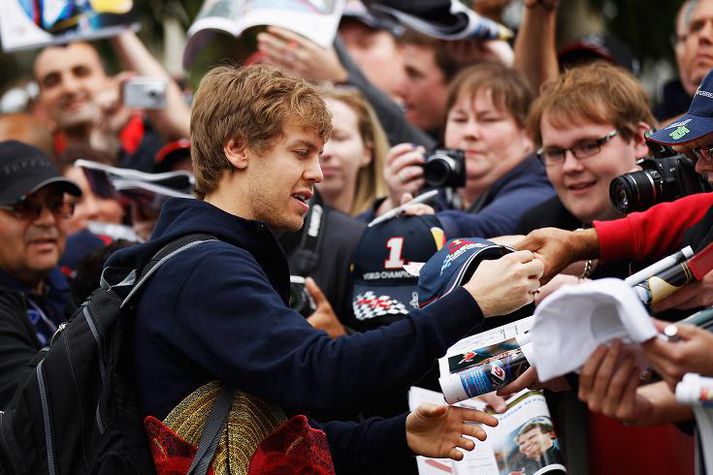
{"x": 300, "y": 299}
{"x": 660, "y": 179}
{"x": 445, "y": 167}
{"x": 145, "y": 93}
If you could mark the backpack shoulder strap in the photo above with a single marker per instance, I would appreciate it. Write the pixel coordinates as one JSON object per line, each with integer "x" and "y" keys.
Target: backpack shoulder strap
{"x": 163, "y": 255}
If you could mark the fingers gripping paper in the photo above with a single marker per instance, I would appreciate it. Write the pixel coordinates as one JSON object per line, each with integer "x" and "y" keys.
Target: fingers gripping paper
{"x": 573, "y": 321}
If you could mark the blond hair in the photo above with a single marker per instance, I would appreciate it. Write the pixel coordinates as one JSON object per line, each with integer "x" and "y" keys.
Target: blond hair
{"x": 370, "y": 183}
{"x": 252, "y": 104}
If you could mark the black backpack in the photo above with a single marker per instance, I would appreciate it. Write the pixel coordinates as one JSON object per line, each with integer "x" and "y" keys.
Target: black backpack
{"x": 76, "y": 412}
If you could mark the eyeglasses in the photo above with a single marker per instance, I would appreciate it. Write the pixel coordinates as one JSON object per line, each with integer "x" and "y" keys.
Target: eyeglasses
{"x": 554, "y": 157}
{"x": 700, "y": 153}
{"x": 31, "y": 207}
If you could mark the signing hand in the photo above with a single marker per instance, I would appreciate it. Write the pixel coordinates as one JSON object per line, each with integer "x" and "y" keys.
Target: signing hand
{"x": 439, "y": 431}
{"x": 503, "y": 285}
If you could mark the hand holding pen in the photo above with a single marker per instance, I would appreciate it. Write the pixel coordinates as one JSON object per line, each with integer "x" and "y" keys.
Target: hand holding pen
{"x": 392, "y": 213}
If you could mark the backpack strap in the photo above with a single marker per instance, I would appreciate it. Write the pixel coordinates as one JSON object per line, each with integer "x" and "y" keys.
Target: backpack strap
{"x": 210, "y": 436}
{"x": 163, "y": 255}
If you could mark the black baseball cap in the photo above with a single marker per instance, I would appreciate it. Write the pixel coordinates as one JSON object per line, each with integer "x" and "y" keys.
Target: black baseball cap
{"x": 383, "y": 290}
{"x": 25, "y": 169}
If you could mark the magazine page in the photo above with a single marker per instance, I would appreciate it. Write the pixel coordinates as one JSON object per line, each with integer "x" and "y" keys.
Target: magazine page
{"x": 523, "y": 442}
{"x": 27, "y": 24}
{"x": 314, "y": 19}
{"x": 485, "y": 362}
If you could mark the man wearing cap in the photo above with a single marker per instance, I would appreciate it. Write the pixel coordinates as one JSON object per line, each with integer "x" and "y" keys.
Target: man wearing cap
{"x": 34, "y": 296}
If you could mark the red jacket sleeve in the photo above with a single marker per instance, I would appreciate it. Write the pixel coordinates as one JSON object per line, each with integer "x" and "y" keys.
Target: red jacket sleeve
{"x": 653, "y": 233}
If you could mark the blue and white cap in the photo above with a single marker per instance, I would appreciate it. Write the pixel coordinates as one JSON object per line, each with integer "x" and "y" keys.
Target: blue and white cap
{"x": 695, "y": 123}
{"x": 453, "y": 265}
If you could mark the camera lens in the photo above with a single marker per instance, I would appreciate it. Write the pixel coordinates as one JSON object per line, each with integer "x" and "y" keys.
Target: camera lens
{"x": 635, "y": 191}
{"x": 437, "y": 170}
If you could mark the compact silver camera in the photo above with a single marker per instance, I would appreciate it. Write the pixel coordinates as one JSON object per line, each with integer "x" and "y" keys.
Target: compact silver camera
{"x": 145, "y": 93}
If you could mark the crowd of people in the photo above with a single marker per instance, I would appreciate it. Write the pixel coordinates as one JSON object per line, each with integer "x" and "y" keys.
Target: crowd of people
{"x": 300, "y": 301}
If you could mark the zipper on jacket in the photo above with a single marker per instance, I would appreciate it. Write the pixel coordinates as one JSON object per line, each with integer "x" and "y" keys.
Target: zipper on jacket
{"x": 102, "y": 369}
{"x": 46, "y": 418}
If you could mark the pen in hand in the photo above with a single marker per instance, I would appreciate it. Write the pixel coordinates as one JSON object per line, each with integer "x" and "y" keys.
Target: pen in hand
{"x": 392, "y": 213}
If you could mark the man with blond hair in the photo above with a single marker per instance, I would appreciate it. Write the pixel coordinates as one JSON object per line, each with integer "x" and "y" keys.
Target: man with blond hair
{"x": 219, "y": 310}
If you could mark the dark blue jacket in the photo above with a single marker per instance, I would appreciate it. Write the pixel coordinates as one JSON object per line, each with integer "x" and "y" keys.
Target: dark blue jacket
{"x": 504, "y": 204}
{"x": 219, "y": 311}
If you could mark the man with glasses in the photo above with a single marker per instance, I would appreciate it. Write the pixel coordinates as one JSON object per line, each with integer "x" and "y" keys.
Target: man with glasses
{"x": 34, "y": 296}
{"x": 661, "y": 229}
{"x": 589, "y": 125}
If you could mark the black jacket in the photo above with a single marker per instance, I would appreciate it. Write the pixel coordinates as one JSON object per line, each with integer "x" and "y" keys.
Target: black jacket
{"x": 19, "y": 340}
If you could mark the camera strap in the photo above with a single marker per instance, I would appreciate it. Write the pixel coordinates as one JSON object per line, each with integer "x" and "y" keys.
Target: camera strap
{"x": 306, "y": 257}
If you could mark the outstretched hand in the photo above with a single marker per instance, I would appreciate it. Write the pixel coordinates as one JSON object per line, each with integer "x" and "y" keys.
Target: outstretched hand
{"x": 323, "y": 317}
{"x": 557, "y": 248}
{"x": 439, "y": 431}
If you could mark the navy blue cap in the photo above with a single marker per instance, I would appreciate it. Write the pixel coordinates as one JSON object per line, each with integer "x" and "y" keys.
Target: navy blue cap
{"x": 695, "y": 123}
{"x": 383, "y": 290}
{"x": 25, "y": 169}
{"x": 453, "y": 265}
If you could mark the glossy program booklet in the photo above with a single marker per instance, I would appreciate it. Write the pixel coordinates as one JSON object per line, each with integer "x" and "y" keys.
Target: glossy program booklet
{"x": 27, "y": 24}
{"x": 317, "y": 20}
{"x": 523, "y": 442}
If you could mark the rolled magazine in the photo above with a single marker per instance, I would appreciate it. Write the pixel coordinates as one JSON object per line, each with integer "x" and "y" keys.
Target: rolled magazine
{"x": 485, "y": 362}
{"x": 667, "y": 281}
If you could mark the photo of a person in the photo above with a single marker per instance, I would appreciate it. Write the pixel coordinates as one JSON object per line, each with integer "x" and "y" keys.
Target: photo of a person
{"x": 530, "y": 448}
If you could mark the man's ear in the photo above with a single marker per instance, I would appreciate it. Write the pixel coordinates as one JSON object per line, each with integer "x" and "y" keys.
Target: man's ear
{"x": 236, "y": 151}
{"x": 640, "y": 147}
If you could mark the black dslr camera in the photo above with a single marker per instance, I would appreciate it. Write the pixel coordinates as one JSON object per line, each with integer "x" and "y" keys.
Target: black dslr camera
{"x": 300, "y": 299}
{"x": 666, "y": 176}
{"x": 445, "y": 167}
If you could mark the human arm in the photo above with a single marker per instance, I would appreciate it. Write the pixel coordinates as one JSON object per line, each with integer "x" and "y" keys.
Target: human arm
{"x": 535, "y": 47}
{"x": 430, "y": 430}
{"x": 172, "y": 122}
{"x": 249, "y": 337}
{"x": 653, "y": 233}
{"x": 526, "y": 184}
{"x": 690, "y": 354}
{"x": 609, "y": 384}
